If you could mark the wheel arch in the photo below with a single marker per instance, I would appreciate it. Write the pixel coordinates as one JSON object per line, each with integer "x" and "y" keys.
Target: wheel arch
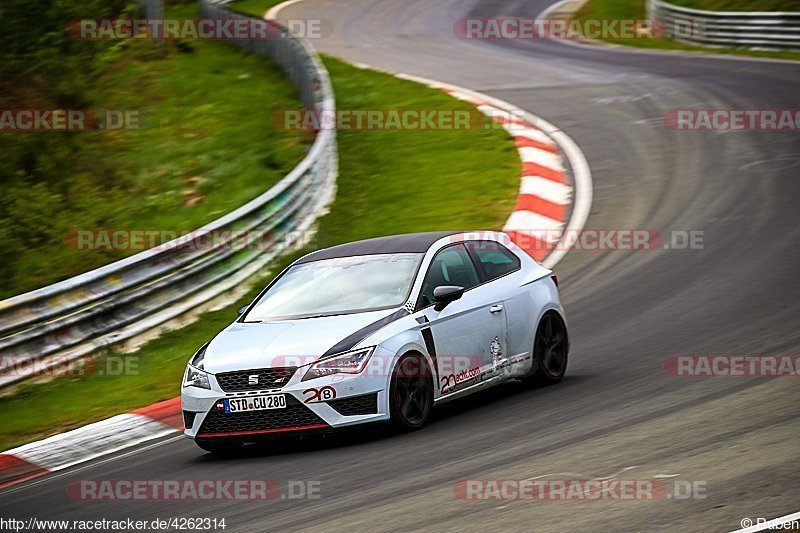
{"x": 559, "y": 313}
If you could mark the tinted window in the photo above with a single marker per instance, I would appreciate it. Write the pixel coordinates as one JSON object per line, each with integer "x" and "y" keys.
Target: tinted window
{"x": 496, "y": 259}
{"x": 341, "y": 285}
{"x": 451, "y": 266}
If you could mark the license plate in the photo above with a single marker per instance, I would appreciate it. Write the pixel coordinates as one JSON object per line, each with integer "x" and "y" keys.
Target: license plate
{"x": 255, "y": 403}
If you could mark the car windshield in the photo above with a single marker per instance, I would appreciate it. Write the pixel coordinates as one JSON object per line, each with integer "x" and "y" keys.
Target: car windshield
{"x": 338, "y": 286}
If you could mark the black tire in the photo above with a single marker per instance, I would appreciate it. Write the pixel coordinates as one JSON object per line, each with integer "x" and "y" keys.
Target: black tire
{"x": 550, "y": 351}
{"x": 411, "y": 393}
{"x": 219, "y": 447}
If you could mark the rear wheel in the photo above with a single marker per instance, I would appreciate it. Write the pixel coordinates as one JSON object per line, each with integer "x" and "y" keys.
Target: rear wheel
{"x": 550, "y": 350}
{"x": 411, "y": 393}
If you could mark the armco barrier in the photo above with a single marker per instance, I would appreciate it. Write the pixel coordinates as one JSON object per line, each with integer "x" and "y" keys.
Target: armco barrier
{"x": 768, "y": 30}
{"x": 59, "y": 323}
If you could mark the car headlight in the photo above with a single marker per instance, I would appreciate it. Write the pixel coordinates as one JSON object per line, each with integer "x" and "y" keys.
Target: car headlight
{"x": 195, "y": 376}
{"x": 351, "y": 362}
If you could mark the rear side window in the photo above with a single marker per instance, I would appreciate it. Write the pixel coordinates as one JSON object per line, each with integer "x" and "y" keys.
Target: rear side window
{"x": 495, "y": 259}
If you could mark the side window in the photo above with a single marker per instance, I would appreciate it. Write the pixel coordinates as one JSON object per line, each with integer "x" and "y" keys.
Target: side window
{"x": 496, "y": 259}
{"x": 451, "y": 266}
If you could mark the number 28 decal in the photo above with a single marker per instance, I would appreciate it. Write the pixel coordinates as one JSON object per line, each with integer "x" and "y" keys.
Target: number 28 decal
{"x": 321, "y": 394}
{"x": 448, "y": 383}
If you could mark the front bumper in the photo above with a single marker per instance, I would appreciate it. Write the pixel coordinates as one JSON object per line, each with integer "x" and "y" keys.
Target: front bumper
{"x": 356, "y": 399}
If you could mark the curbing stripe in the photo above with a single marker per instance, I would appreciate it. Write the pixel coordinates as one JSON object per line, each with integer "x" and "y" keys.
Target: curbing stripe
{"x": 529, "y": 154}
{"x": 89, "y": 442}
{"x": 530, "y": 202}
{"x": 534, "y": 224}
{"x": 465, "y": 97}
{"x": 14, "y": 469}
{"x": 540, "y": 215}
{"x": 557, "y": 193}
{"x": 529, "y": 133}
{"x": 533, "y": 169}
{"x": 167, "y": 412}
{"x": 533, "y": 246}
{"x": 523, "y": 142}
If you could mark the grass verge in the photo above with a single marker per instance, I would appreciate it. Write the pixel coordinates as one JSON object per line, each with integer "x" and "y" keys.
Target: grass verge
{"x": 389, "y": 182}
{"x": 637, "y": 9}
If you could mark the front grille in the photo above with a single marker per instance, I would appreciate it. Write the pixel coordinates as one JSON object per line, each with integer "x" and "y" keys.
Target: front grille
{"x": 294, "y": 415}
{"x": 366, "y": 404}
{"x": 268, "y": 378}
{"x": 188, "y": 419}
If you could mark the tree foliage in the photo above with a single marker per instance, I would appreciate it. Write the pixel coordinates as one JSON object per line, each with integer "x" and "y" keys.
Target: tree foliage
{"x": 43, "y": 67}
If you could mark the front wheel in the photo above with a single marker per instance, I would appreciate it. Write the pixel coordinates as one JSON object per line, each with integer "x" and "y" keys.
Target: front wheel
{"x": 550, "y": 350}
{"x": 411, "y": 393}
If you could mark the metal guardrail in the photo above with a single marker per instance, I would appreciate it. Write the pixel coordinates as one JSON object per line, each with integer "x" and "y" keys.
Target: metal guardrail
{"x": 766, "y": 30}
{"x": 66, "y": 321}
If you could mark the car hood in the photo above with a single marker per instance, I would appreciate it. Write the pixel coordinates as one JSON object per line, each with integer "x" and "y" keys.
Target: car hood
{"x": 244, "y": 346}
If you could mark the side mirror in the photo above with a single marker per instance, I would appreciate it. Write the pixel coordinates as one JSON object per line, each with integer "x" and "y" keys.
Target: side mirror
{"x": 241, "y": 310}
{"x": 444, "y": 294}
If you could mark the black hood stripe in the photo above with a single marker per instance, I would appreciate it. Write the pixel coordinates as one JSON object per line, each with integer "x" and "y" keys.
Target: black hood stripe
{"x": 354, "y": 338}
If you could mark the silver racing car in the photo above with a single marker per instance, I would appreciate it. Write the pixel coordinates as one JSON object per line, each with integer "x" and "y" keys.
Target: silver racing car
{"x": 377, "y": 330}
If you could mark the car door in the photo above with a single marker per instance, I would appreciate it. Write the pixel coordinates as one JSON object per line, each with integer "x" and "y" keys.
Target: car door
{"x": 469, "y": 333}
{"x": 501, "y": 269}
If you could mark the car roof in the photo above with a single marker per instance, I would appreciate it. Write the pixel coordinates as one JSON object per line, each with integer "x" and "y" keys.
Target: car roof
{"x": 393, "y": 244}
